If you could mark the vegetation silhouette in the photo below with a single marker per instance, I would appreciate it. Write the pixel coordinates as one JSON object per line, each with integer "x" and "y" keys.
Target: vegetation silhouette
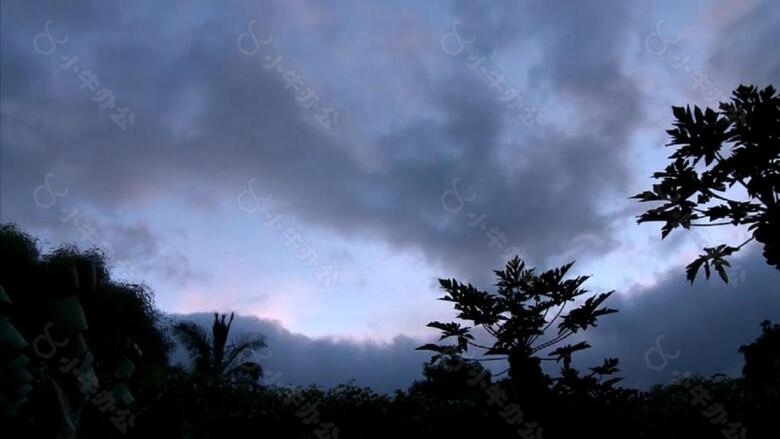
{"x": 70, "y": 337}
{"x": 84, "y": 355}
{"x": 516, "y": 319}
{"x": 212, "y": 355}
{"x": 457, "y": 396}
{"x": 725, "y": 171}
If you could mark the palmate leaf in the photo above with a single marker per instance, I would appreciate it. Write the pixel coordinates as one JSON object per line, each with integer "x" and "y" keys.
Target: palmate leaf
{"x": 471, "y": 303}
{"x": 450, "y": 329}
{"x": 692, "y": 269}
{"x": 608, "y": 367}
{"x": 564, "y": 352}
{"x": 718, "y": 212}
{"x": 429, "y": 347}
{"x": 586, "y": 314}
{"x": 453, "y": 329}
{"x": 648, "y": 196}
{"x": 734, "y": 146}
{"x": 441, "y": 350}
{"x": 714, "y": 257}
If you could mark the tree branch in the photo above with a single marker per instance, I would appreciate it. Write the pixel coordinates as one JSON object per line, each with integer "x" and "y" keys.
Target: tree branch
{"x": 724, "y": 223}
{"x": 553, "y": 319}
{"x": 502, "y": 372}
{"x": 477, "y": 345}
{"x": 714, "y": 195}
{"x": 549, "y": 343}
{"x": 746, "y": 241}
{"x": 485, "y": 359}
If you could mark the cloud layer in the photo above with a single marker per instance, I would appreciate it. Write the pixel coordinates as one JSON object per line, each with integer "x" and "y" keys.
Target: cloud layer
{"x": 698, "y": 328}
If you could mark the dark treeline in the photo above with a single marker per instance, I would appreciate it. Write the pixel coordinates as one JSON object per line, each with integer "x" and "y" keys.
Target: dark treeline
{"x": 89, "y": 358}
{"x": 83, "y": 355}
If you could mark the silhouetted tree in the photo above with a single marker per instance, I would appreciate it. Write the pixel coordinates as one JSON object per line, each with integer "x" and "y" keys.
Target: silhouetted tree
{"x": 725, "y": 171}
{"x": 212, "y": 355}
{"x": 517, "y": 319}
{"x": 118, "y": 313}
{"x": 52, "y": 301}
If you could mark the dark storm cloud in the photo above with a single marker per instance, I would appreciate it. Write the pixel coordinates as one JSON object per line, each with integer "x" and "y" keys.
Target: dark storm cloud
{"x": 180, "y": 67}
{"x": 150, "y": 252}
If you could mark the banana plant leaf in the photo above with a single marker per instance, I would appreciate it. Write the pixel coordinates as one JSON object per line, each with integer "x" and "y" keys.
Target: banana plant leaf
{"x": 11, "y": 405}
{"x": 89, "y": 379}
{"x": 121, "y": 393}
{"x": 4, "y": 296}
{"x": 79, "y": 345}
{"x": 68, "y": 419}
{"x": 87, "y": 362}
{"x": 10, "y": 338}
{"x": 24, "y": 391}
{"x": 124, "y": 369}
{"x": 68, "y": 314}
{"x": 15, "y": 373}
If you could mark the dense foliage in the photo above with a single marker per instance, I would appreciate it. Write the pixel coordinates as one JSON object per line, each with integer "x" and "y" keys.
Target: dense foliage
{"x": 725, "y": 171}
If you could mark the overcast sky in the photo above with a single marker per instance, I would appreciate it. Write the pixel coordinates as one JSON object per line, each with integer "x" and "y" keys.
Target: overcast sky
{"x": 316, "y": 166}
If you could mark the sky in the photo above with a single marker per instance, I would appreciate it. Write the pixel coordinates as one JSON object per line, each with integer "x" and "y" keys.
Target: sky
{"x": 317, "y": 166}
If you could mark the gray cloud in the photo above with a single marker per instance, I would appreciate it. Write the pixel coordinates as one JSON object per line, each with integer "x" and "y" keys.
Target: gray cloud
{"x": 296, "y": 359}
{"x": 705, "y": 322}
{"x": 742, "y": 52}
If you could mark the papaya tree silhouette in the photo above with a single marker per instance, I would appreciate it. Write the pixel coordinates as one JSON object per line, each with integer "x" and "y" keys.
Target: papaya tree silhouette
{"x": 211, "y": 354}
{"x": 516, "y": 318}
{"x": 737, "y": 183}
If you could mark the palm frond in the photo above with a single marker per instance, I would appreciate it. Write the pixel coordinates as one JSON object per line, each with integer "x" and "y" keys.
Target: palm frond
{"x": 246, "y": 369}
{"x": 197, "y": 343}
{"x": 219, "y": 334}
{"x": 241, "y": 344}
